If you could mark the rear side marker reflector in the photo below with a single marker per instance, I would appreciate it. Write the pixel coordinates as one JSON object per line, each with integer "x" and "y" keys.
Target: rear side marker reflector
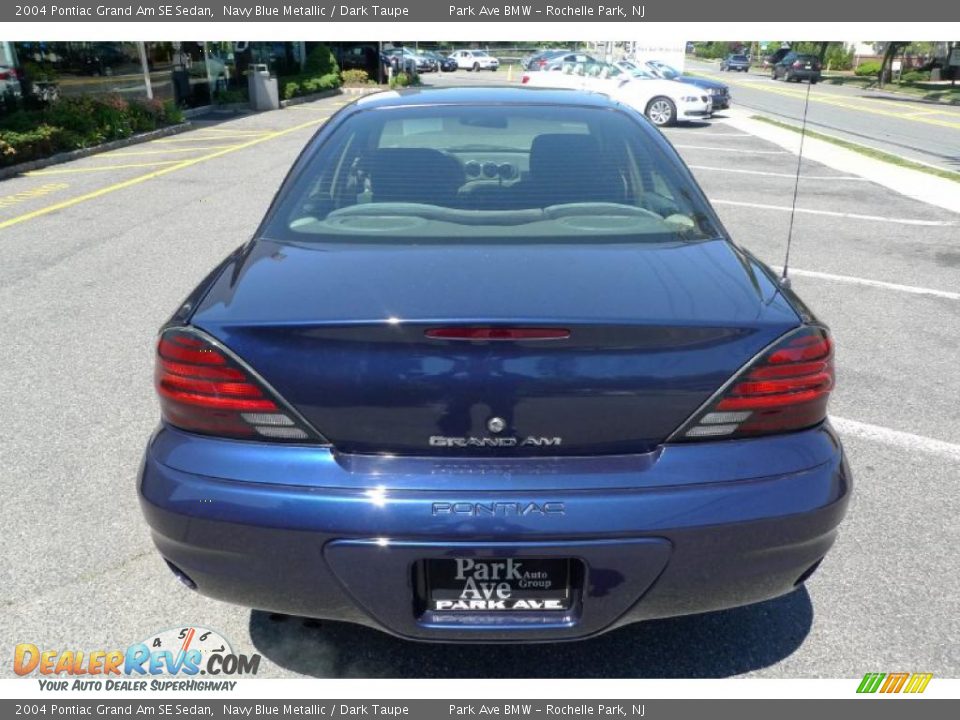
{"x": 783, "y": 390}
{"x": 204, "y": 389}
{"x": 282, "y": 433}
{"x": 497, "y": 333}
{"x": 724, "y": 417}
{"x": 267, "y": 419}
{"x": 711, "y": 430}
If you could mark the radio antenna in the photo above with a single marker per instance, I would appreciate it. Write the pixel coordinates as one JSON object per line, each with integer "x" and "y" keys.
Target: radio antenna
{"x": 796, "y": 186}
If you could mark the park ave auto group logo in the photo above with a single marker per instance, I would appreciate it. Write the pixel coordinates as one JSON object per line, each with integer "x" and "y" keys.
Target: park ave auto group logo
{"x": 182, "y": 659}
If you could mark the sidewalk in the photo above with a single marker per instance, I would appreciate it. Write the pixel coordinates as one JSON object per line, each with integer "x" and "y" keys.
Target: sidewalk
{"x": 911, "y": 183}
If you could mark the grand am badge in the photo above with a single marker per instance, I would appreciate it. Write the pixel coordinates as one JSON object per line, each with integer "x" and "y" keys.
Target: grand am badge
{"x": 494, "y": 442}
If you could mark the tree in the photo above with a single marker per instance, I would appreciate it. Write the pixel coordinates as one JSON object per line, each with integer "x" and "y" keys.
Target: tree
{"x": 893, "y": 47}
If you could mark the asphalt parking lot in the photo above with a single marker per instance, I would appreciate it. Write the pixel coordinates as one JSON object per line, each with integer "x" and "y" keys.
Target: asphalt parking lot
{"x": 98, "y": 252}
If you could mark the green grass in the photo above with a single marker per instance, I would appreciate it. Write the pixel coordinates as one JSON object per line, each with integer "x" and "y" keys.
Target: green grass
{"x": 863, "y": 150}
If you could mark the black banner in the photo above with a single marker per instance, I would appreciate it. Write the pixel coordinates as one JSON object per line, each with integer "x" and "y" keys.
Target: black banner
{"x": 875, "y": 709}
{"x": 471, "y": 11}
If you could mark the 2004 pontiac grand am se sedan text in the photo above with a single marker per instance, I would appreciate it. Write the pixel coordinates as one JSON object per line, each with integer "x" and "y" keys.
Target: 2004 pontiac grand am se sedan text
{"x": 492, "y": 370}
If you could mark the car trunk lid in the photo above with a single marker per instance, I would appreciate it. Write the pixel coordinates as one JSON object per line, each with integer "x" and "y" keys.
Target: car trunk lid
{"x": 347, "y": 334}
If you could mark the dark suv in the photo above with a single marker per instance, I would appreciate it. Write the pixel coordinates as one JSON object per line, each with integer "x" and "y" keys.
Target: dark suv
{"x": 794, "y": 67}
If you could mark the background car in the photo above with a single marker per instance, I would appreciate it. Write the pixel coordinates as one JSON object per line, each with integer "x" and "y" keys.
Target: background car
{"x": 419, "y": 61}
{"x": 541, "y": 59}
{"x": 443, "y": 62}
{"x": 794, "y": 67}
{"x": 719, "y": 92}
{"x": 9, "y": 81}
{"x": 558, "y": 61}
{"x": 475, "y": 60}
{"x": 664, "y": 102}
{"x": 740, "y": 63}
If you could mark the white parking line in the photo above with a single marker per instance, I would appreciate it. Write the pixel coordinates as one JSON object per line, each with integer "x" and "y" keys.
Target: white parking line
{"x": 775, "y": 174}
{"x": 874, "y": 283}
{"x": 831, "y": 213}
{"x": 905, "y": 440}
{"x": 712, "y": 133}
{"x": 724, "y": 149}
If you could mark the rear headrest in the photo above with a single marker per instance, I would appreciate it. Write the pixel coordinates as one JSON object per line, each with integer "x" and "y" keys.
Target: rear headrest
{"x": 563, "y": 154}
{"x": 418, "y": 175}
{"x": 570, "y": 168}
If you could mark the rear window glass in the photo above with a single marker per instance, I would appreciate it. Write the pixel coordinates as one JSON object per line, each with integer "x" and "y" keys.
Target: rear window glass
{"x": 739, "y": 58}
{"x": 493, "y": 173}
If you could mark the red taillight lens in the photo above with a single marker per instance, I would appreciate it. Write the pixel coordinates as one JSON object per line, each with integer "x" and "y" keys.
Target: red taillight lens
{"x": 525, "y": 79}
{"x": 797, "y": 64}
{"x": 497, "y": 333}
{"x": 202, "y": 389}
{"x": 786, "y": 389}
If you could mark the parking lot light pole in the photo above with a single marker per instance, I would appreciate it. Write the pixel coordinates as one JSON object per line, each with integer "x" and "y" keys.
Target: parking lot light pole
{"x": 147, "y": 82}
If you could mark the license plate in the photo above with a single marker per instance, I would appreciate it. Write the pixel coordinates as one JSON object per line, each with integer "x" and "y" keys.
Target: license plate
{"x": 501, "y": 585}
{"x": 808, "y": 66}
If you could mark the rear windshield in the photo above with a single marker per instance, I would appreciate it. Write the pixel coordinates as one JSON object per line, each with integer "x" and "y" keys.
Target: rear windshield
{"x": 739, "y": 58}
{"x": 507, "y": 174}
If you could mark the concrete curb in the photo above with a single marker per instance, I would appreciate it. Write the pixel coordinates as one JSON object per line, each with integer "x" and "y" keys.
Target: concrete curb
{"x": 356, "y": 91}
{"x": 914, "y": 184}
{"x": 70, "y": 155}
{"x": 311, "y": 97}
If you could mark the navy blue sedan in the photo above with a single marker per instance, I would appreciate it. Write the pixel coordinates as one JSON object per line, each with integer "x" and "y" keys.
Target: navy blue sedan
{"x": 491, "y": 369}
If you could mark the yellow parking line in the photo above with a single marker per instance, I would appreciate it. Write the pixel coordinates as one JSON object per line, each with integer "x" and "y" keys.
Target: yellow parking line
{"x": 828, "y": 99}
{"x": 231, "y": 131}
{"x": 203, "y": 139}
{"x": 98, "y": 168}
{"x": 8, "y": 200}
{"x": 154, "y": 174}
{"x": 164, "y": 152}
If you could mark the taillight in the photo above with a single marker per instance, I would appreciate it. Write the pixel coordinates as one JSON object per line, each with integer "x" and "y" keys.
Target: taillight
{"x": 203, "y": 389}
{"x": 785, "y": 389}
{"x": 797, "y": 64}
{"x": 497, "y": 333}
{"x": 525, "y": 79}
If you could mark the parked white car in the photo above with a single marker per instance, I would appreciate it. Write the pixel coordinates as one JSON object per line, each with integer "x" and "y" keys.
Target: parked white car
{"x": 475, "y": 60}
{"x": 664, "y": 102}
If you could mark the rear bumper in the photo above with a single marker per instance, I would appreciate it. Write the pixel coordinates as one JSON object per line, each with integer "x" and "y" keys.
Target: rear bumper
{"x": 686, "y": 529}
{"x": 804, "y": 74}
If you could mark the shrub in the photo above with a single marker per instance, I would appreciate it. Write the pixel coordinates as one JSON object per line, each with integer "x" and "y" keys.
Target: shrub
{"x": 871, "y": 67}
{"x": 714, "y": 50}
{"x": 402, "y": 79}
{"x": 355, "y": 77}
{"x": 839, "y": 58}
{"x": 320, "y": 61}
{"x": 306, "y": 84}
{"x": 41, "y": 141}
{"x": 224, "y": 97}
{"x": 915, "y": 76}
{"x": 71, "y": 123}
{"x": 291, "y": 88}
